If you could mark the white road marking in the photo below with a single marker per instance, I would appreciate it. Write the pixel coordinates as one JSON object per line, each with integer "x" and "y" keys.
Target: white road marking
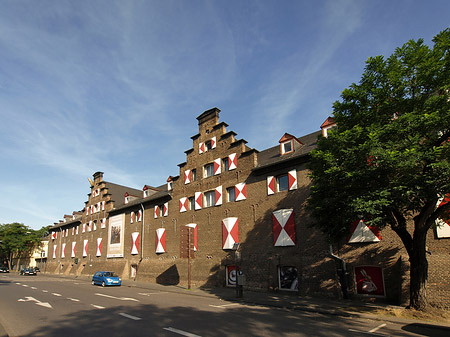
{"x": 18, "y": 283}
{"x": 181, "y": 332}
{"x": 367, "y": 333}
{"x": 224, "y": 305}
{"x": 130, "y": 316}
{"x": 73, "y": 299}
{"x": 56, "y": 294}
{"x": 32, "y": 299}
{"x": 118, "y": 298}
{"x": 378, "y": 327}
{"x": 98, "y": 306}
{"x": 157, "y": 293}
{"x": 25, "y": 285}
{"x": 45, "y": 291}
{"x": 34, "y": 288}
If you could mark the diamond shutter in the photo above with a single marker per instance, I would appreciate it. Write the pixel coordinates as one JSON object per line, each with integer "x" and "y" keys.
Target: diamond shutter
{"x": 270, "y": 185}
{"x": 201, "y": 148}
{"x": 156, "y": 212}
{"x": 218, "y": 195}
{"x": 160, "y": 240}
{"x": 134, "y": 243}
{"x": 230, "y": 232}
{"x": 74, "y": 249}
{"x": 99, "y": 246}
{"x": 183, "y": 204}
{"x": 213, "y": 142}
{"x": 63, "y": 251}
{"x": 198, "y": 200}
{"x": 283, "y": 226}
{"x": 132, "y": 217}
{"x": 55, "y": 248}
{"x": 103, "y": 225}
{"x": 85, "y": 248}
{"x": 166, "y": 209}
{"x": 292, "y": 176}
{"x": 187, "y": 177}
{"x": 217, "y": 166}
{"x": 241, "y": 191}
{"x": 139, "y": 216}
{"x": 232, "y": 161}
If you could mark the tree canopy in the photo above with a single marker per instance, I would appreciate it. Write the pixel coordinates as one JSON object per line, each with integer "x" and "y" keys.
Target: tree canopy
{"x": 16, "y": 239}
{"x": 388, "y": 158}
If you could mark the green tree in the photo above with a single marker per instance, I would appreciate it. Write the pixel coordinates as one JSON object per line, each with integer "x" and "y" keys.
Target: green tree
{"x": 388, "y": 158}
{"x": 17, "y": 239}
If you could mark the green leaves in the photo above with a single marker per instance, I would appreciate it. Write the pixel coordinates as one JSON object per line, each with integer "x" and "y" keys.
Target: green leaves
{"x": 391, "y": 149}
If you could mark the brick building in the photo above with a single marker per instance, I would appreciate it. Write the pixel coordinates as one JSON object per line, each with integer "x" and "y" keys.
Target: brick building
{"x": 227, "y": 193}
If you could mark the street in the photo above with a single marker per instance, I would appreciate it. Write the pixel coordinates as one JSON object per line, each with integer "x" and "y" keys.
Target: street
{"x": 51, "y": 306}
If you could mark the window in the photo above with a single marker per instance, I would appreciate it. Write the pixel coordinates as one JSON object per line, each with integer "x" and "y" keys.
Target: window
{"x": 286, "y": 147}
{"x": 210, "y": 198}
{"x": 146, "y": 193}
{"x": 225, "y": 164}
{"x": 283, "y": 183}
{"x": 191, "y": 203}
{"x": 208, "y": 170}
{"x": 194, "y": 174}
{"x": 231, "y": 194}
{"x": 208, "y": 145}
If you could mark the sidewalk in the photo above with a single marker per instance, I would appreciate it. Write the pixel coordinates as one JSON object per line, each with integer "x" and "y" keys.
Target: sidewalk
{"x": 291, "y": 301}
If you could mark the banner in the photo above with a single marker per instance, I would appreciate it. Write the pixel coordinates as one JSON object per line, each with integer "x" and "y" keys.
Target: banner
{"x": 116, "y": 236}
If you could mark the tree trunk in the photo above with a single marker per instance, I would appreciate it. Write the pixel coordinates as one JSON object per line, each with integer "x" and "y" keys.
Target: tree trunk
{"x": 418, "y": 271}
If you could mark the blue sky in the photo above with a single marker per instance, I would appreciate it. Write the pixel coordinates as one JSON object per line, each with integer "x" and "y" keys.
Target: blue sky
{"x": 116, "y": 86}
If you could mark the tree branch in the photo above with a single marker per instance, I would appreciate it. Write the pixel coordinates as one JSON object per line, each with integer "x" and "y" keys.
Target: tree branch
{"x": 399, "y": 227}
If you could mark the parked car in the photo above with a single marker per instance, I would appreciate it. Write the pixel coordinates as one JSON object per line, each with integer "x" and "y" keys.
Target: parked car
{"x": 27, "y": 271}
{"x": 4, "y": 270}
{"x": 106, "y": 278}
{"x": 36, "y": 269}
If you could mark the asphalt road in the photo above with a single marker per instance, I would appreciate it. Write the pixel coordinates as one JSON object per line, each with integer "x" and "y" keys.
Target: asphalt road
{"x": 49, "y": 306}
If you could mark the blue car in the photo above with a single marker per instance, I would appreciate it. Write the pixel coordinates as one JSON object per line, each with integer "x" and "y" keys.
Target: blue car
{"x": 106, "y": 278}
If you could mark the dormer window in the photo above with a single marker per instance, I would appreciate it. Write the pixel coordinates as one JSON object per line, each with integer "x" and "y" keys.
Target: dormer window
{"x": 146, "y": 193}
{"x": 127, "y": 198}
{"x": 170, "y": 186}
{"x": 287, "y": 147}
{"x": 289, "y": 143}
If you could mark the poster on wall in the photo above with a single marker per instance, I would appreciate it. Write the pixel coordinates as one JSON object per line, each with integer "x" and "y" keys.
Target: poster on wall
{"x": 369, "y": 280}
{"x": 115, "y": 236}
{"x": 288, "y": 278}
{"x": 231, "y": 276}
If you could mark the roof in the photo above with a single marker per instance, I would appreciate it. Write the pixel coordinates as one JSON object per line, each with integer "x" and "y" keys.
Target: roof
{"x": 117, "y": 193}
{"x": 272, "y": 156}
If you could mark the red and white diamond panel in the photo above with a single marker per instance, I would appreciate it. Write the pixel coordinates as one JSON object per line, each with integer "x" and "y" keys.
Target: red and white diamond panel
{"x": 230, "y": 232}
{"x": 134, "y": 243}
{"x": 99, "y": 246}
{"x": 85, "y": 248}
{"x": 283, "y": 227}
{"x": 63, "y": 251}
{"x": 161, "y": 240}
{"x": 362, "y": 233}
{"x": 183, "y": 204}
{"x": 241, "y": 191}
{"x": 443, "y": 227}
{"x": 74, "y": 249}
{"x": 55, "y": 248}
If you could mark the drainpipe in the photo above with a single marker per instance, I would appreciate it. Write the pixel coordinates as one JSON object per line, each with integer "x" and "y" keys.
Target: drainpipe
{"x": 341, "y": 272}
{"x": 142, "y": 231}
